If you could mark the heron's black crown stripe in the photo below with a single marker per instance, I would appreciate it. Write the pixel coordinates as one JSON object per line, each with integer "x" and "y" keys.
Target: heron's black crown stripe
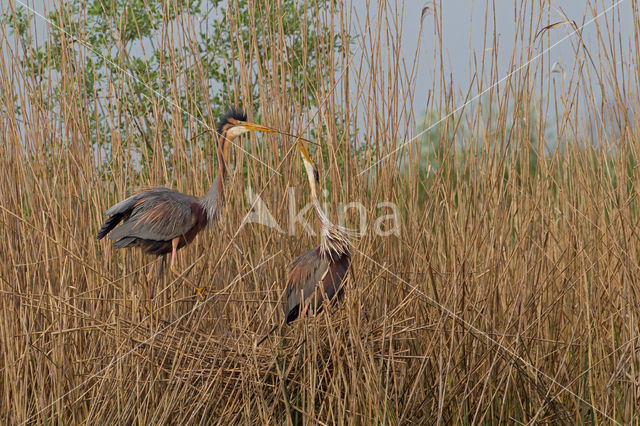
{"x": 232, "y": 112}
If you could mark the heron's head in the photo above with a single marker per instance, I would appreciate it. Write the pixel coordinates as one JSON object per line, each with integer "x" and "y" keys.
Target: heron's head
{"x": 234, "y": 123}
{"x": 309, "y": 165}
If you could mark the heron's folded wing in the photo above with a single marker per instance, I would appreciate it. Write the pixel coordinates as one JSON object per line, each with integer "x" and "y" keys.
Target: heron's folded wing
{"x": 305, "y": 273}
{"x": 159, "y": 214}
{"x": 332, "y": 281}
{"x": 125, "y": 206}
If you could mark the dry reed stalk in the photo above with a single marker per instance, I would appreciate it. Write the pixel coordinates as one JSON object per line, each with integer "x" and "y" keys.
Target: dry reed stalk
{"x": 509, "y": 295}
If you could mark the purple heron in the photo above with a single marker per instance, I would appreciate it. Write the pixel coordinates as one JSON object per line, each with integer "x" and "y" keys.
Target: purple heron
{"x": 162, "y": 220}
{"x": 316, "y": 275}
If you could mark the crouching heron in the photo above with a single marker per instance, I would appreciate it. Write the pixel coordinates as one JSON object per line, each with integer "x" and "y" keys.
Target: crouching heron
{"x": 316, "y": 276}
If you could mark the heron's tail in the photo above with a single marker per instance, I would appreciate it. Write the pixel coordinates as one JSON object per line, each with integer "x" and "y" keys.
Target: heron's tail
{"x": 109, "y": 224}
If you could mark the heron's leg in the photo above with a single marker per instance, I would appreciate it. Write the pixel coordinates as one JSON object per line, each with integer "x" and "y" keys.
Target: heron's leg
{"x": 306, "y": 308}
{"x": 174, "y": 245}
{"x": 157, "y": 267}
{"x": 154, "y": 275}
{"x": 149, "y": 294}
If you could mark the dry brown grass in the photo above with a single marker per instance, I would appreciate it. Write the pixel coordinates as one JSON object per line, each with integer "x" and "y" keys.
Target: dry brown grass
{"x": 511, "y": 294}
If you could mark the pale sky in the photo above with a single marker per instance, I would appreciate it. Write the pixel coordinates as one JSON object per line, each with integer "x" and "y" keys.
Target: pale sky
{"x": 463, "y": 28}
{"x": 462, "y": 34}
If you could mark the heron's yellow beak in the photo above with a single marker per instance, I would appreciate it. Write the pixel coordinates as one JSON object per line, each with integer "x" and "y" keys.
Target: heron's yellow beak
{"x": 303, "y": 151}
{"x": 257, "y": 127}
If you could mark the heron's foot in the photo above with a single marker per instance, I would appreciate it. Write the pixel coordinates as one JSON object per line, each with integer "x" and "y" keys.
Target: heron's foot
{"x": 205, "y": 288}
{"x": 200, "y": 291}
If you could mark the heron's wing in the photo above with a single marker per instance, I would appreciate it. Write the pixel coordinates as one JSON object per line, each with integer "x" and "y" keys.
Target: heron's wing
{"x": 332, "y": 280}
{"x": 305, "y": 273}
{"x": 125, "y": 206}
{"x": 117, "y": 213}
{"x": 159, "y": 214}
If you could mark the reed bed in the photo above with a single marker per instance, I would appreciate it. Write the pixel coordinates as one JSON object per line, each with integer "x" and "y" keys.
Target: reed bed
{"x": 508, "y": 294}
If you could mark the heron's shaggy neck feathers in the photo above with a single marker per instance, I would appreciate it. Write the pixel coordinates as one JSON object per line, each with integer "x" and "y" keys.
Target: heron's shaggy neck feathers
{"x": 334, "y": 242}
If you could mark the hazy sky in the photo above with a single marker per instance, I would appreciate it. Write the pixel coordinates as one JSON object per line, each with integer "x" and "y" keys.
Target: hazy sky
{"x": 462, "y": 33}
{"x": 463, "y": 28}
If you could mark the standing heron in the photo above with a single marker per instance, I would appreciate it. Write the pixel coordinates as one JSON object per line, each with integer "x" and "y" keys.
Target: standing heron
{"x": 317, "y": 274}
{"x": 162, "y": 220}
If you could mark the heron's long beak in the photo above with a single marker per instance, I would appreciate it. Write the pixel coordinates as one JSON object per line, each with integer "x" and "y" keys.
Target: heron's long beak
{"x": 257, "y": 127}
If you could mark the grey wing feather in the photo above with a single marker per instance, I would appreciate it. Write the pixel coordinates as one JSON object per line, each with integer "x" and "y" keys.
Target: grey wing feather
{"x": 124, "y": 206}
{"x": 159, "y": 214}
{"x": 303, "y": 278}
{"x": 124, "y": 242}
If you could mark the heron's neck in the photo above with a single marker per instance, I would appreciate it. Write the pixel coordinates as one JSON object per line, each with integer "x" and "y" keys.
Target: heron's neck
{"x": 334, "y": 242}
{"x": 212, "y": 201}
{"x": 223, "y": 145}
